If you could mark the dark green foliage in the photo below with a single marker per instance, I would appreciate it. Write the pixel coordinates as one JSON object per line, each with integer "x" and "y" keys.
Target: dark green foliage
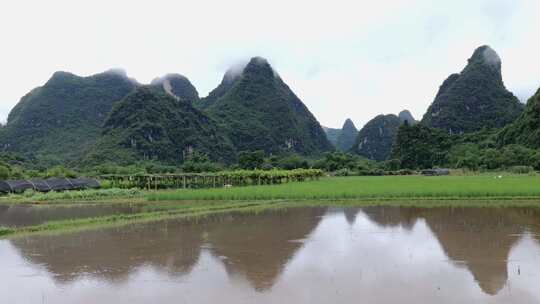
{"x": 516, "y": 155}
{"x": 332, "y": 135}
{"x": 12, "y": 158}
{"x": 526, "y": 129}
{"x": 347, "y": 136}
{"x": 474, "y": 99}
{"x": 177, "y": 85}
{"x": 4, "y": 171}
{"x": 111, "y": 168}
{"x": 421, "y": 147}
{"x": 521, "y": 169}
{"x": 289, "y": 162}
{"x": 534, "y": 160}
{"x": 63, "y": 118}
{"x": 334, "y": 161}
{"x": 198, "y": 163}
{"x": 375, "y": 139}
{"x": 251, "y": 159}
{"x": 59, "y": 171}
{"x": 150, "y": 125}
{"x": 464, "y": 156}
{"x": 260, "y": 112}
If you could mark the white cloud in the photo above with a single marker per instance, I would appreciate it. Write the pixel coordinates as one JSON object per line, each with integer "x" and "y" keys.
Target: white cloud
{"x": 343, "y": 58}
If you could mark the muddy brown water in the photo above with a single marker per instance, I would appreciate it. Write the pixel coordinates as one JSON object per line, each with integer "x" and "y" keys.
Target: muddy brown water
{"x": 29, "y": 215}
{"x": 299, "y": 255}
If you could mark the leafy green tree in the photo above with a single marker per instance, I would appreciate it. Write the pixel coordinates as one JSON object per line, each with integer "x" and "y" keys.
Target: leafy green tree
{"x": 516, "y": 155}
{"x": 199, "y": 162}
{"x": 4, "y": 172}
{"x": 464, "y": 156}
{"x": 491, "y": 159}
{"x": 60, "y": 171}
{"x": 392, "y": 165}
{"x": 534, "y": 160}
{"x": 421, "y": 147}
{"x": 251, "y": 159}
{"x": 334, "y": 161}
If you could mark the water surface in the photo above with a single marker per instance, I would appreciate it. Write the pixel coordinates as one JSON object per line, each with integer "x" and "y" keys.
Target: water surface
{"x": 300, "y": 255}
{"x": 28, "y": 215}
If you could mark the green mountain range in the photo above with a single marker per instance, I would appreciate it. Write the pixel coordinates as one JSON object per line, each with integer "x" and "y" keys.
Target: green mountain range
{"x": 111, "y": 118}
{"x": 60, "y": 120}
{"x": 231, "y": 76}
{"x": 347, "y": 136}
{"x": 473, "y": 122}
{"x": 406, "y": 116}
{"x": 151, "y": 125}
{"x": 375, "y": 139}
{"x": 526, "y": 129}
{"x": 259, "y": 111}
{"x": 474, "y": 99}
{"x": 177, "y": 86}
{"x": 332, "y": 134}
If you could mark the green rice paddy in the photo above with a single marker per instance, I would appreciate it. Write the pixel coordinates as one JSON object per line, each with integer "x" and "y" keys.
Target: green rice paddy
{"x": 383, "y": 187}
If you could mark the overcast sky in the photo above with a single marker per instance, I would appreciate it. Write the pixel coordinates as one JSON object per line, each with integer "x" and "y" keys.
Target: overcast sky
{"x": 344, "y": 59}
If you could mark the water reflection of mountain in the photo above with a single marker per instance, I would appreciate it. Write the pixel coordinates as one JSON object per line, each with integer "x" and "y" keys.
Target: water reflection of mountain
{"x": 113, "y": 254}
{"x": 351, "y": 214}
{"x": 259, "y": 246}
{"x": 255, "y": 246}
{"x": 393, "y": 216}
{"x": 479, "y": 239}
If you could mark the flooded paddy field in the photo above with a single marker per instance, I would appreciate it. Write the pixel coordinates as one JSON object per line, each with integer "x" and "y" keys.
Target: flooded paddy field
{"x": 377, "y": 254}
{"x": 22, "y": 215}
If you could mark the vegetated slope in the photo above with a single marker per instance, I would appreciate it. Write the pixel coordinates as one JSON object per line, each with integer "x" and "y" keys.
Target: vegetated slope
{"x": 230, "y": 77}
{"x": 406, "y": 115}
{"x": 375, "y": 139}
{"x": 347, "y": 136}
{"x": 178, "y": 86}
{"x": 421, "y": 147}
{"x": 475, "y": 98}
{"x": 260, "y": 112}
{"x": 526, "y": 129}
{"x": 332, "y": 134}
{"x": 63, "y": 118}
{"x": 151, "y": 125}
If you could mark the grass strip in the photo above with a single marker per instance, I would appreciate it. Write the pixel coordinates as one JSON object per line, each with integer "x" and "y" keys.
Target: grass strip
{"x": 123, "y": 219}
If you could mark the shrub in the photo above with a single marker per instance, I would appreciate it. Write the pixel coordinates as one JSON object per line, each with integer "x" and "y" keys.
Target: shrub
{"x": 521, "y": 169}
{"x": 344, "y": 172}
{"x": 4, "y": 172}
